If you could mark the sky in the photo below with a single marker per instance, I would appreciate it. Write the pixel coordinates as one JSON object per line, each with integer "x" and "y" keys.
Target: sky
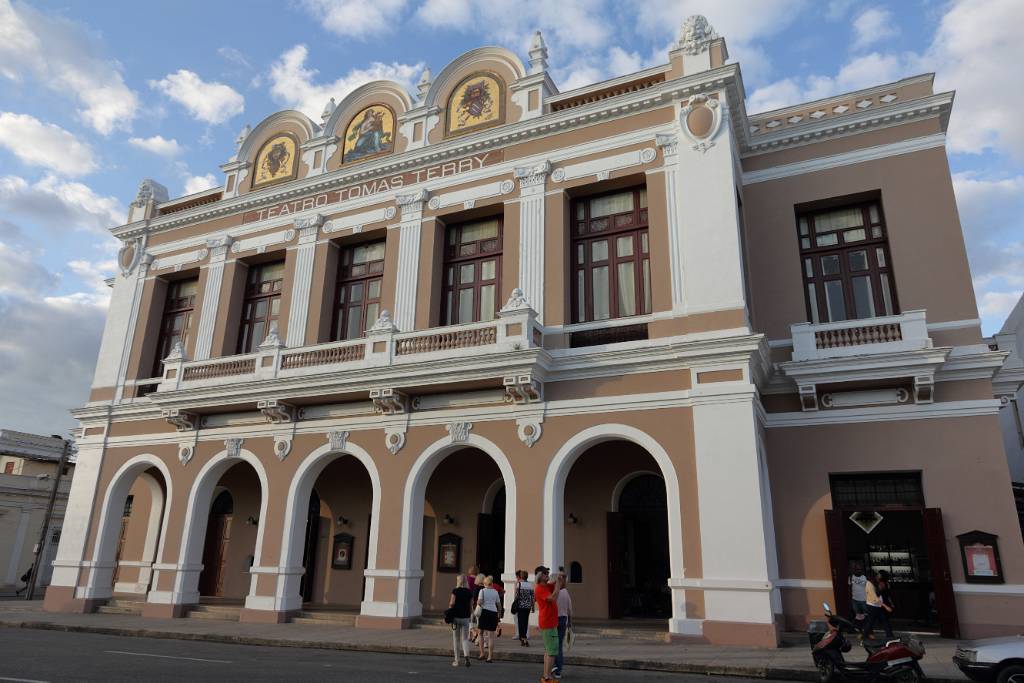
{"x": 96, "y": 96}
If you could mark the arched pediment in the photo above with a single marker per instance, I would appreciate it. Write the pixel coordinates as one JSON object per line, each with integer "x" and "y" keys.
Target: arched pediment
{"x": 386, "y": 92}
{"x": 366, "y": 123}
{"x": 273, "y": 149}
{"x": 503, "y": 62}
{"x": 289, "y": 120}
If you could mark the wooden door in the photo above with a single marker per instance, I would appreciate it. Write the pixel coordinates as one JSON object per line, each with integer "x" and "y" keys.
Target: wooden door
{"x": 836, "y": 533}
{"x": 486, "y": 544}
{"x": 942, "y": 580}
{"x": 616, "y": 563}
{"x": 309, "y": 549}
{"x": 121, "y": 538}
{"x": 215, "y": 555}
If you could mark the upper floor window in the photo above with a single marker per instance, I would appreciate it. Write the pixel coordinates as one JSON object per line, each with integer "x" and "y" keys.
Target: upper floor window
{"x": 357, "y": 294}
{"x": 610, "y": 253}
{"x": 176, "y": 321}
{"x": 472, "y": 272}
{"x": 262, "y": 304}
{"x": 846, "y": 264}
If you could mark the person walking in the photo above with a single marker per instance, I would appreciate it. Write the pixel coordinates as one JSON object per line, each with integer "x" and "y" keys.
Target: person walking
{"x": 546, "y": 596}
{"x": 523, "y": 604}
{"x": 24, "y": 579}
{"x": 476, "y": 585}
{"x": 564, "y": 602}
{"x": 857, "y": 584}
{"x": 878, "y": 612}
{"x": 490, "y": 606}
{"x": 461, "y": 606}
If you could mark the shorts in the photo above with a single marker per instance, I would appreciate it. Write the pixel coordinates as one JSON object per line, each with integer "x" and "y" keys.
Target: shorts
{"x": 550, "y": 636}
{"x": 860, "y": 607}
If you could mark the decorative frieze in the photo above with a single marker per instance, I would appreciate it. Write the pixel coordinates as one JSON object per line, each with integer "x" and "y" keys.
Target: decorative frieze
{"x": 178, "y": 261}
{"x": 356, "y": 221}
{"x": 604, "y": 165}
{"x": 470, "y": 196}
{"x": 277, "y": 412}
{"x": 389, "y": 401}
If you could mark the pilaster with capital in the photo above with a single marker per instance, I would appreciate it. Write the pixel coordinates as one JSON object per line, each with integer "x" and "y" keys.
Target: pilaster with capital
{"x": 218, "y": 247}
{"x": 298, "y": 312}
{"x": 532, "y": 183}
{"x": 410, "y": 231}
{"x": 669, "y": 144}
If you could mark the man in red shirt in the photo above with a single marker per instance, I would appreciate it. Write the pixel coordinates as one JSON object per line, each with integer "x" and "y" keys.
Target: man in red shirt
{"x": 546, "y": 595}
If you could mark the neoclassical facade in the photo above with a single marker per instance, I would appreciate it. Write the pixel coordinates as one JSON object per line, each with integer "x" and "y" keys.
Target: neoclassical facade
{"x": 704, "y": 360}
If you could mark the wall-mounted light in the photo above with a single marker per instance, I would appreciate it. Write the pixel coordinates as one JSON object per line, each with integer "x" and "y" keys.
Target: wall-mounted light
{"x": 342, "y": 520}
{"x": 573, "y": 519}
{"x": 252, "y": 521}
{"x": 448, "y": 519}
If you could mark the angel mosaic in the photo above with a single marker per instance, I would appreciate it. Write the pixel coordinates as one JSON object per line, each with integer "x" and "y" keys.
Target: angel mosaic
{"x": 371, "y": 132}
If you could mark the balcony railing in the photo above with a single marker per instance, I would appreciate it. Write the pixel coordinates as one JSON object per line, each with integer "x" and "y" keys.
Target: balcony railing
{"x": 905, "y": 332}
{"x": 383, "y": 346}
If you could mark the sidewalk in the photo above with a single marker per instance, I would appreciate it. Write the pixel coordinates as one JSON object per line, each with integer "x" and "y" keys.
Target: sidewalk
{"x": 792, "y": 662}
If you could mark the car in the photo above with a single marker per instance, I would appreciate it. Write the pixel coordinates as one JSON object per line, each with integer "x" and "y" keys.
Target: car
{"x": 998, "y": 660}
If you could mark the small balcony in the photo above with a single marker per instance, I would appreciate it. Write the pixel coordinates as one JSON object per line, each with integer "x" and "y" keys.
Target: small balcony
{"x": 818, "y": 341}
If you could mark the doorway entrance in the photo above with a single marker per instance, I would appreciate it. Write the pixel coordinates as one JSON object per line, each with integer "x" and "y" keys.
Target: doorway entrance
{"x": 881, "y": 524}
{"x": 490, "y": 538}
{"x": 215, "y": 548}
{"x": 638, "y": 561}
{"x": 309, "y": 548}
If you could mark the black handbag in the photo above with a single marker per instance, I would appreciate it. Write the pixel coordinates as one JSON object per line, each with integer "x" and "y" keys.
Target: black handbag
{"x": 515, "y": 603}
{"x": 449, "y": 616}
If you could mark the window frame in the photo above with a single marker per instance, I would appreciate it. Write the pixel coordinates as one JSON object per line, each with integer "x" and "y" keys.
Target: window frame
{"x": 345, "y": 280}
{"x": 165, "y": 335}
{"x": 454, "y": 260}
{"x": 817, "y": 311}
{"x": 639, "y": 228}
{"x": 248, "y": 322}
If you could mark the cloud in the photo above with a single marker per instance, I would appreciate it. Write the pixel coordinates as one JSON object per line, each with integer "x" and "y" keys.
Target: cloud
{"x": 997, "y": 305}
{"x": 44, "y": 144}
{"x": 293, "y": 85}
{"x": 198, "y": 183}
{"x": 873, "y": 25}
{"x": 234, "y": 56}
{"x": 65, "y": 57}
{"x": 354, "y": 18}
{"x": 56, "y": 204}
{"x": 208, "y": 102}
{"x": 158, "y": 145}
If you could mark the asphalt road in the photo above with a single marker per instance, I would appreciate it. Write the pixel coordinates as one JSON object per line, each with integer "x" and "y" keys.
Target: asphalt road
{"x": 33, "y": 656}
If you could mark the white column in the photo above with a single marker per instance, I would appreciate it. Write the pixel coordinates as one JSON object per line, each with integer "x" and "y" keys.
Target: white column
{"x": 19, "y": 541}
{"x": 737, "y": 542}
{"x": 670, "y": 146}
{"x": 78, "y": 516}
{"x": 118, "y": 332}
{"x": 211, "y": 295}
{"x": 408, "y": 258}
{"x": 532, "y": 181}
{"x": 302, "y": 280}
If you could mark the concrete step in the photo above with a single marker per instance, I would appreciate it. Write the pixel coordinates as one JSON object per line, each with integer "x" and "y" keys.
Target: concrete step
{"x": 324, "y": 617}
{"x": 118, "y": 609}
{"x": 215, "y": 612}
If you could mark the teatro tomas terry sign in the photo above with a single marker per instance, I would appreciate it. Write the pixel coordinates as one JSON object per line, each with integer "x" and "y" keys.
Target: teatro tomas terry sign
{"x": 372, "y": 187}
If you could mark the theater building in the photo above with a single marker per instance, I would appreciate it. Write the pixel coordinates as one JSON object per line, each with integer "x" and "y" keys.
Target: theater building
{"x": 703, "y": 359}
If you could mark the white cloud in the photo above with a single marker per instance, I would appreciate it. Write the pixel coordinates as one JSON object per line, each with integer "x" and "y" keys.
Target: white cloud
{"x": 158, "y": 145}
{"x": 198, "y": 183}
{"x": 873, "y": 25}
{"x": 208, "y": 102}
{"x": 58, "y": 205}
{"x": 234, "y": 56}
{"x": 293, "y": 85}
{"x": 44, "y": 144}
{"x": 354, "y": 18}
{"x": 997, "y": 305}
{"x": 67, "y": 58}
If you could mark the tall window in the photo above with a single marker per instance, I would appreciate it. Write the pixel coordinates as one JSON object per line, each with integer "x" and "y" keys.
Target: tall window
{"x": 846, "y": 264}
{"x": 610, "y": 252}
{"x": 472, "y": 272}
{"x": 262, "y": 304}
{"x": 177, "y": 320}
{"x": 357, "y": 295}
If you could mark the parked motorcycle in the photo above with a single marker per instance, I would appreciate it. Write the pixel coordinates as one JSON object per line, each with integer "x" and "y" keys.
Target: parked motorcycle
{"x": 894, "y": 660}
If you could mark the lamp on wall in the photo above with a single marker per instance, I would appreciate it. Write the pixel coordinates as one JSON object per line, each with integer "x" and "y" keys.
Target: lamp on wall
{"x": 573, "y": 519}
{"x": 448, "y": 519}
{"x": 342, "y": 520}
{"x": 252, "y": 521}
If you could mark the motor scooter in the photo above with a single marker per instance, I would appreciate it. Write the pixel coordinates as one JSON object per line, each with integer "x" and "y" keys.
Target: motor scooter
{"x": 893, "y": 660}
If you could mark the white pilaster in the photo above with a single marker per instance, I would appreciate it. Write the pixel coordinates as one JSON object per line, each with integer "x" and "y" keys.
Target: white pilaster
{"x": 78, "y": 516}
{"x": 669, "y": 145}
{"x": 211, "y": 295}
{"x": 302, "y": 280}
{"x": 118, "y": 333}
{"x": 408, "y": 258}
{"x": 532, "y": 181}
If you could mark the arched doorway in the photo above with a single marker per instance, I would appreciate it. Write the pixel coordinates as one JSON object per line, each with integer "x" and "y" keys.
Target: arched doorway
{"x": 215, "y": 547}
{"x": 638, "y": 551}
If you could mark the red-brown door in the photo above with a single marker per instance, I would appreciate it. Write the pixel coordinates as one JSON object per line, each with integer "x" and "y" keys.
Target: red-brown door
{"x": 836, "y": 534}
{"x": 120, "y": 549}
{"x": 616, "y": 560}
{"x": 942, "y": 580}
{"x": 215, "y": 553}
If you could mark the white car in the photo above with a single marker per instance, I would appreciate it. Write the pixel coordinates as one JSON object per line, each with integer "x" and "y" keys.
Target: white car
{"x": 998, "y": 660}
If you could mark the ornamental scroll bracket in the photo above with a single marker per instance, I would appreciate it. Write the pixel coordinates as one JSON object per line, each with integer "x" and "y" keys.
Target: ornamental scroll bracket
{"x": 522, "y": 388}
{"x": 183, "y": 420}
{"x": 389, "y": 401}
{"x": 277, "y": 412}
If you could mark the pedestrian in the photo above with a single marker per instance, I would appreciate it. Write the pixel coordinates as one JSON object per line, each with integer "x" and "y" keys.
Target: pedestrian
{"x": 882, "y": 588}
{"x": 461, "y": 606}
{"x": 471, "y": 579}
{"x": 477, "y": 586}
{"x": 24, "y": 579}
{"x": 490, "y": 612}
{"x": 878, "y": 612}
{"x": 857, "y": 584}
{"x": 546, "y": 596}
{"x": 523, "y": 606}
{"x": 564, "y": 602}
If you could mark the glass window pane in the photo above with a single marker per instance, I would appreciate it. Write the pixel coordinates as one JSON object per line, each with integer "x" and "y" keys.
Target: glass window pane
{"x": 624, "y": 246}
{"x": 487, "y": 303}
{"x": 257, "y": 335}
{"x": 880, "y": 256}
{"x": 356, "y": 292}
{"x": 838, "y": 220}
{"x": 858, "y": 260}
{"x": 643, "y": 241}
{"x": 854, "y": 235}
{"x": 466, "y": 273}
{"x": 827, "y": 240}
{"x": 863, "y": 301}
{"x": 448, "y": 309}
{"x": 803, "y": 226}
{"x": 805, "y": 243}
{"x": 580, "y": 254}
{"x": 373, "y": 289}
{"x": 830, "y": 265}
{"x": 372, "y": 313}
{"x": 453, "y": 234}
{"x": 188, "y": 287}
{"x": 886, "y": 293}
{"x": 581, "y": 296}
{"x": 599, "y": 251}
{"x": 876, "y": 232}
{"x": 647, "y": 286}
{"x": 813, "y": 298}
{"x": 599, "y": 282}
{"x": 466, "y": 305}
{"x": 275, "y": 306}
{"x": 613, "y": 203}
{"x": 580, "y": 209}
{"x": 808, "y": 268}
{"x": 481, "y": 230}
{"x": 451, "y": 276}
{"x": 341, "y": 294}
{"x": 487, "y": 270}
{"x": 261, "y": 308}
{"x": 353, "y": 331}
{"x": 272, "y": 271}
{"x": 643, "y": 198}
{"x": 627, "y": 289}
{"x": 873, "y": 213}
{"x": 834, "y": 300}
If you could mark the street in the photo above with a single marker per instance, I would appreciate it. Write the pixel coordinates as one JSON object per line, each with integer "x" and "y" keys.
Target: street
{"x": 30, "y": 655}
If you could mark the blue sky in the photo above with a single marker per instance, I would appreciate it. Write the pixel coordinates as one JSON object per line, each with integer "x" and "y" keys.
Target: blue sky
{"x": 95, "y": 96}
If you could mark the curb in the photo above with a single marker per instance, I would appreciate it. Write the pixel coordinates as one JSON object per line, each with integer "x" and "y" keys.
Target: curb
{"x": 765, "y": 672}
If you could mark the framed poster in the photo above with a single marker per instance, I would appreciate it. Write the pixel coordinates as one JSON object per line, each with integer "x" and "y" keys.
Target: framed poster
{"x": 980, "y": 554}
{"x": 449, "y": 553}
{"x": 341, "y": 555}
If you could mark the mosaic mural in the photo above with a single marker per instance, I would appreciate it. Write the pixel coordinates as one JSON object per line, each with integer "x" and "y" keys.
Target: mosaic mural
{"x": 371, "y": 133}
{"x": 276, "y": 161}
{"x": 477, "y": 101}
